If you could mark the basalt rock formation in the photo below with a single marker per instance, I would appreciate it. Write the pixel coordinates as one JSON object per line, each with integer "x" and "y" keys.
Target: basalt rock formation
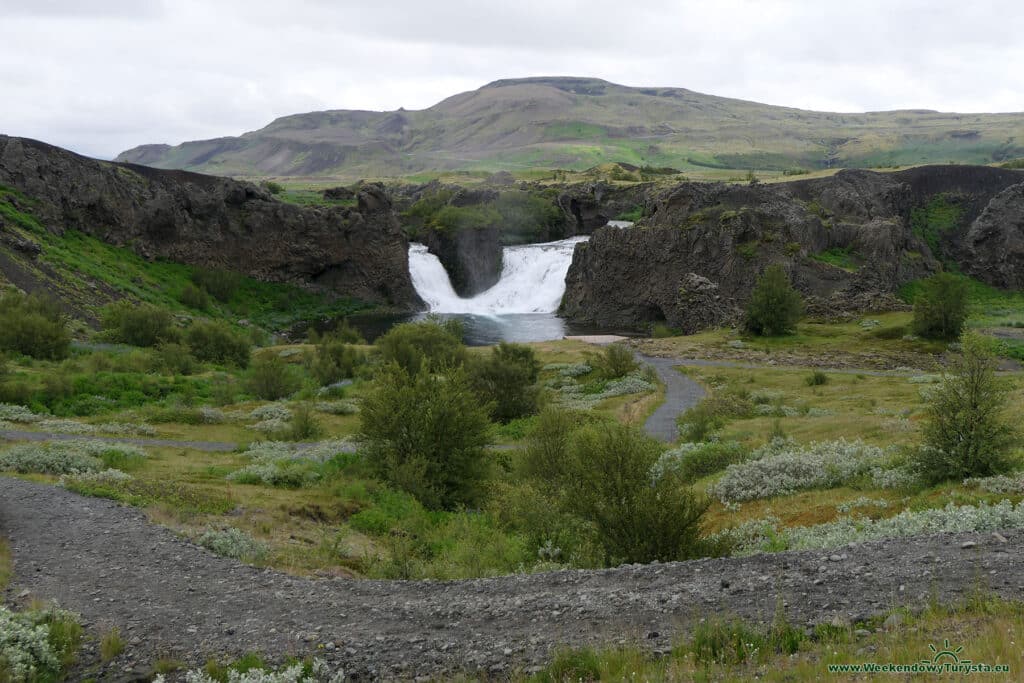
{"x": 205, "y": 220}
{"x": 848, "y": 241}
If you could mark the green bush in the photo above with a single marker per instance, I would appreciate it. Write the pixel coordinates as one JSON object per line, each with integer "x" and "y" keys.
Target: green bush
{"x": 426, "y": 434}
{"x": 817, "y": 378}
{"x": 454, "y": 219}
{"x": 137, "y": 324}
{"x": 507, "y": 380}
{"x": 635, "y": 519}
{"x": 966, "y": 433}
{"x": 429, "y": 344}
{"x": 940, "y": 307}
{"x": 335, "y": 360}
{"x": 175, "y": 359}
{"x": 614, "y": 361}
{"x": 270, "y": 379}
{"x": 304, "y": 426}
{"x": 216, "y": 342}
{"x": 33, "y": 326}
{"x": 194, "y": 297}
{"x": 221, "y": 284}
{"x": 775, "y": 307}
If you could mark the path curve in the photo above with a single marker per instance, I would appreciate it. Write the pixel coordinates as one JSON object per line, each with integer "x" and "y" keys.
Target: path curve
{"x": 171, "y": 598}
{"x": 681, "y": 394}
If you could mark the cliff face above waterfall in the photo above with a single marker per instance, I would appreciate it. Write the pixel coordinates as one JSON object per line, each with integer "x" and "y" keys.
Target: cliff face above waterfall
{"x": 849, "y": 241}
{"x": 358, "y": 252}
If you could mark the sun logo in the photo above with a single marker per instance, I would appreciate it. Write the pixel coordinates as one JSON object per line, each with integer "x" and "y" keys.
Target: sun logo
{"x": 946, "y": 653}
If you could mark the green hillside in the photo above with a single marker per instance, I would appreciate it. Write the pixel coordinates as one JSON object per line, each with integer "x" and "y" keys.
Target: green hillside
{"x": 577, "y": 123}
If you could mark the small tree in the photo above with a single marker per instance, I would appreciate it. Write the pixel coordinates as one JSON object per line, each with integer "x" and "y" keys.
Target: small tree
{"x": 940, "y": 307}
{"x": 270, "y": 378}
{"x": 775, "y": 307}
{"x": 507, "y": 379}
{"x": 428, "y": 344}
{"x": 426, "y": 434}
{"x": 637, "y": 518}
{"x": 216, "y": 342}
{"x": 966, "y": 433}
{"x": 614, "y": 361}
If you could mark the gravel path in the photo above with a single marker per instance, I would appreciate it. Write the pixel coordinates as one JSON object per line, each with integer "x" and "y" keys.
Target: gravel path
{"x": 172, "y": 598}
{"x": 681, "y": 393}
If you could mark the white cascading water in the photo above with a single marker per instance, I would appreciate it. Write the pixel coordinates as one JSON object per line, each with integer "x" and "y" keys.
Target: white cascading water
{"x": 532, "y": 280}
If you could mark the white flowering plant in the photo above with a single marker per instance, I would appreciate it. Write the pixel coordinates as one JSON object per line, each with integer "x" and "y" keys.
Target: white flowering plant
{"x": 783, "y": 472}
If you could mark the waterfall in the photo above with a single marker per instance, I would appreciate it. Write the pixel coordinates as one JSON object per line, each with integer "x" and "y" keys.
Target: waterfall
{"x": 532, "y": 280}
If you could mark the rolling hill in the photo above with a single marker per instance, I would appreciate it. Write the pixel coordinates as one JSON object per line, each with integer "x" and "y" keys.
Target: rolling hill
{"x": 575, "y": 123}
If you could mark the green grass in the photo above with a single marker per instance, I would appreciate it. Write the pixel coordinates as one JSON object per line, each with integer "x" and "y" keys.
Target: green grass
{"x": 839, "y": 257}
{"x": 87, "y": 271}
{"x": 988, "y": 629}
{"x": 933, "y": 220}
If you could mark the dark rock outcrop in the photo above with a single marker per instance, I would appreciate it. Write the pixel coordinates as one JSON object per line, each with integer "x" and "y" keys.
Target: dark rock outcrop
{"x": 473, "y": 258}
{"x": 993, "y": 248}
{"x": 589, "y": 206}
{"x": 847, "y": 242}
{"x": 205, "y": 220}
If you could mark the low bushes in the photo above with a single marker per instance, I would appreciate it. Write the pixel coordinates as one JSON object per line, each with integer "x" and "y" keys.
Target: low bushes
{"x": 234, "y": 543}
{"x": 782, "y": 472}
{"x": 217, "y": 342}
{"x": 36, "y": 645}
{"x": 69, "y": 457}
{"x": 270, "y": 379}
{"x": 763, "y": 534}
{"x": 33, "y": 326}
{"x": 137, "y": 324}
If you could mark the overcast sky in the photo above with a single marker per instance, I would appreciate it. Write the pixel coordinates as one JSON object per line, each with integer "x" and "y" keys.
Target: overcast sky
{"x": 100, "y": 76}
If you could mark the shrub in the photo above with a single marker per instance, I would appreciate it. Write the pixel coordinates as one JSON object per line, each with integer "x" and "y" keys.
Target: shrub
{"x": 217, "y": 342}
{"x": 69, "y": 457}
{"x": 966, "y": 433}
{"x": 763, "y": 535}
{"x": 425, "y": 433}
{"x": 270, "y": 379}
{"x": 817, "y": 378}
{"x": 33, "y": 326}
{"x": 235, "y": 543}
{"x": 278, "y": 464}
{"x": 940, "y": 307}
{"x": 702, "y": 421}
{"x": 304, "y": 425}
{"x": 37, "y": 644}
{"x": 507, "y": 380}
{"x": 429, "y": 344}
{"x": 137, "y": 324}
{"x": 614, "y": 361}
{"x": 782, "y": 470}
{"x": 775, "y": 307}
{"x": 176, "y": 359}
{"x": 221, "y": 284}
{"x": 335, "y": 360}
{"x": 691, "y": 461}
{"x": 194, "y": 297}
{"x": 635, "y": 519}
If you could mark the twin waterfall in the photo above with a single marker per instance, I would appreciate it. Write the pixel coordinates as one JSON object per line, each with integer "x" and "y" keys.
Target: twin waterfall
{"x": 532, "y": 281}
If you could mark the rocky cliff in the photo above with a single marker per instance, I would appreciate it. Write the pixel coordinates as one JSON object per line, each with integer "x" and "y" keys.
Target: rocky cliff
{"x": 849, "y": 241}
{"x": 217, "y": 222}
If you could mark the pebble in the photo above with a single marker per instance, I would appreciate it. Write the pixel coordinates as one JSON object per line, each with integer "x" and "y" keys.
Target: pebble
{"x": 968, "y": 544}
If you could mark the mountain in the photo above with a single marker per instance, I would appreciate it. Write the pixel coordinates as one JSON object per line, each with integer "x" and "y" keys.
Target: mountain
{"x": 576, "y": 123}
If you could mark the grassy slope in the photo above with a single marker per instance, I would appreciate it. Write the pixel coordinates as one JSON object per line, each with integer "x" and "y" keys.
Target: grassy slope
{"x": 86, "y": 273}
{"x": 557, "y": 123}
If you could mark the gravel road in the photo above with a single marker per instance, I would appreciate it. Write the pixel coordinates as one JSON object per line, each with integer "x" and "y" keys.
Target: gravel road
{"x": 681, "y": 393}
{"x": 171, "y": 598}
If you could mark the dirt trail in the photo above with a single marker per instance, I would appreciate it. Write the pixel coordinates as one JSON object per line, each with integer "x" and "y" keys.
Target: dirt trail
{"x": 170, "y": 597}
